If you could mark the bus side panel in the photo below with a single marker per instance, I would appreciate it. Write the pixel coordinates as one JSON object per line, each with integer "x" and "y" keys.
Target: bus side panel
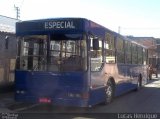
{"x": 130, "y": 75}
{"x": 125, "y": 76}
{"x": 124, "y": 88}
{"x": 97, "y": 95}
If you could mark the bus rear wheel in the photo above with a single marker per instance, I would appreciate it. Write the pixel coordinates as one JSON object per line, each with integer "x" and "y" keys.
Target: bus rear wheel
{"x": 109, "y": 92}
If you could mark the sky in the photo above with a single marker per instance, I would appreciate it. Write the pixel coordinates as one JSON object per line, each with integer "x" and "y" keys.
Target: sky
{"x": 139, "y": 18}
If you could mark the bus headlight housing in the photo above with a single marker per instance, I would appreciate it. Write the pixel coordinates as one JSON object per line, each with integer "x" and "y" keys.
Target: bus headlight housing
{"x": 20, "y": 92}
{"x": 78, "y": 95}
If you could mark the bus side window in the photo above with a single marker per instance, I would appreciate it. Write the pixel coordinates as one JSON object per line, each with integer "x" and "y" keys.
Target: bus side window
{"x": 120, "y": 51}
{"x": 96, "y": 57}
{"x": 134, "y": 54}
{"x": 109, "y": 48}
{"x": 128, "y": 50}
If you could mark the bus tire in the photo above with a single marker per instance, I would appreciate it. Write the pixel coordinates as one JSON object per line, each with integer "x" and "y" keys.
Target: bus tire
{"x": 139, "y": 83}
{"x": 109, "y": 91}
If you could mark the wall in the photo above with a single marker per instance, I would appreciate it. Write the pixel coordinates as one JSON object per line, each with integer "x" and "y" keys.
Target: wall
{"x": 7, "y": 58}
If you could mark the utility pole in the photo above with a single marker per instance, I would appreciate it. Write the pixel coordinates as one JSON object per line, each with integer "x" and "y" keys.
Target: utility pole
{"x": 119, "y": 29}
{"x": 17, "y": 12}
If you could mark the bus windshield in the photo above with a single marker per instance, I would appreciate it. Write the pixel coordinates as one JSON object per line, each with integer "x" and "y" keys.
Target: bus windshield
{"x": 65, "y": 52}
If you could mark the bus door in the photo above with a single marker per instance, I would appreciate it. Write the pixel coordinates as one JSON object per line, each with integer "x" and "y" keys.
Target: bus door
{"x": 96, "y": 65}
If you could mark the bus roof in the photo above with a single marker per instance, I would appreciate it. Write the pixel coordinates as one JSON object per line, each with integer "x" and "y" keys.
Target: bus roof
{"x": 62, "y": 25}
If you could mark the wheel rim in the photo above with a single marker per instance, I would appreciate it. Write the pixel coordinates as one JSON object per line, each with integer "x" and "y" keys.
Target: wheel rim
{"x": 108, "y": 93}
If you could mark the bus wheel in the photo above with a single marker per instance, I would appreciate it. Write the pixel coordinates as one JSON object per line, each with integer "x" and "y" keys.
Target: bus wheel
{"x": 109, "y": 91}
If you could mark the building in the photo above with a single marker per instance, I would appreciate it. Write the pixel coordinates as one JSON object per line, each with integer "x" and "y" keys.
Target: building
{"x": 8, "y": 45}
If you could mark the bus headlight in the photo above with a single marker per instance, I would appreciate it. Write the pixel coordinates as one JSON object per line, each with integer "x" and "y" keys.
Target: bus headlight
{"x": 20, "y": 92}
{"x": 78, "y": 95}
{"x": 70, "y": 95}
{"x": 17, "y": 91}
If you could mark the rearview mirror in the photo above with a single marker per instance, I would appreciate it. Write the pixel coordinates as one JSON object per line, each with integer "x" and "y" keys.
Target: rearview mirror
{"x": 96, "y": 44}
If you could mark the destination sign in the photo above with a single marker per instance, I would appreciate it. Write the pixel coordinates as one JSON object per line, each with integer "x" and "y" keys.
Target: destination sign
{"x": 59, "y": 25}
{"x": 49, "y": 25}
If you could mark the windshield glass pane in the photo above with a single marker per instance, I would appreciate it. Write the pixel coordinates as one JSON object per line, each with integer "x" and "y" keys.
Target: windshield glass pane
{"x": 32, "y": 52}
{"x": 43, "y": 53}
{"x": 69, "y": 54}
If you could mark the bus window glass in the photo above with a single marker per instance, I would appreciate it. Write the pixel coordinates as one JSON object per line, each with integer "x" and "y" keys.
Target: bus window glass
{"x": 144, "y": 56}
{"x": 120, "y": 51}
{"x": 128, "y": 52}
{"x": 134, "y": 54}
{"x": 32, "y": 52}
{"x": 96, "y": 57}
{"x": 36, "y": 49}
{"x": 25, "y": 50}
{"x": 140, "y": 55}
{"x": 109, "y": 48}
{"x": 68, "y": 54}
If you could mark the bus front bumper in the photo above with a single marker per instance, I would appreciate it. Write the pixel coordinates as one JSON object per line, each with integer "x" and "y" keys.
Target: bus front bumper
{"x": 73, "y": 102}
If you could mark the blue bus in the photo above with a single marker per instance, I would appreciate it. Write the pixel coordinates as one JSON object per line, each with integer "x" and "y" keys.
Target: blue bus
{"x": 75, "y": 62}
